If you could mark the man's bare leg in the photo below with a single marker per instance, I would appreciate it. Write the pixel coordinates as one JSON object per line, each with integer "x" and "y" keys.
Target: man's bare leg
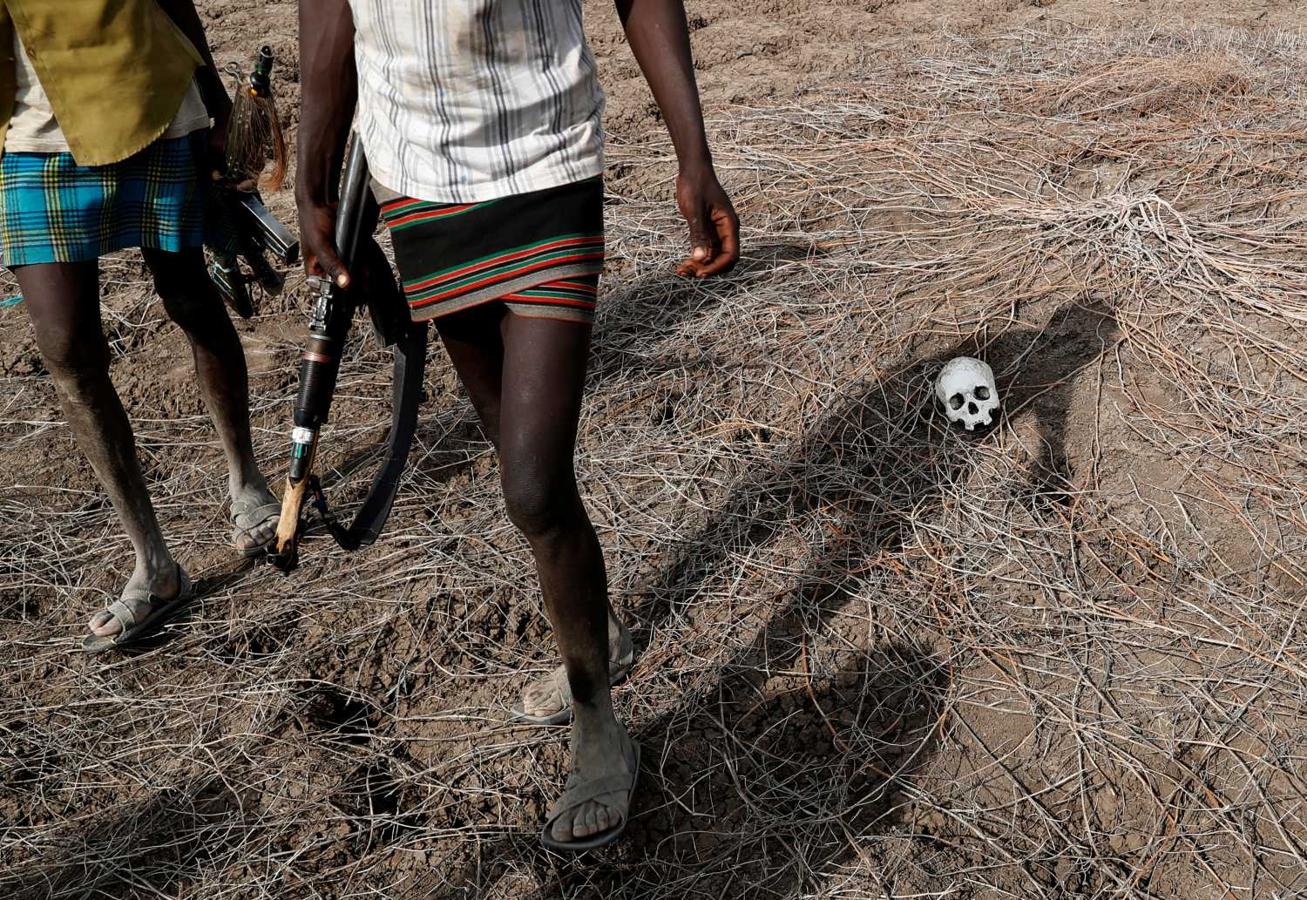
{"x": 63, "y": 301}
{"x": 544, "y": 376}
{"x": 475, "y": 343}
{"x": 476, "y": 348}
{"x": 533, "y": 423}
{"x": 191, "y": 301}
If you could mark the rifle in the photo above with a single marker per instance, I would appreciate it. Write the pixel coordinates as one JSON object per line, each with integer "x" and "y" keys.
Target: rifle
{"x": 254, "y": 139}
{"x": 251, "y": 231}
{"x": 329, "y": 324}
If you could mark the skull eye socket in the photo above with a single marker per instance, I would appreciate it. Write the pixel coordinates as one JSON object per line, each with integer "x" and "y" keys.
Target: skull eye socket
{"x": 973, "y": 408}
{"x": 955, "y": 402}
{"x": 982, "y": 392}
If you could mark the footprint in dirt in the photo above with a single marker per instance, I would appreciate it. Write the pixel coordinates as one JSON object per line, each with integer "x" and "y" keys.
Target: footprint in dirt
{"x": 370, "y": 794}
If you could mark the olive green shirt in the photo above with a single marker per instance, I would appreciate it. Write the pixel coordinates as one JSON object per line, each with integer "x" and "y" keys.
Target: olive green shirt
{"x": 115, "y": 71}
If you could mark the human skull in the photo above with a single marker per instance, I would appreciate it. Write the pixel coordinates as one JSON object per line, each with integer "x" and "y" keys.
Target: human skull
{"x": 967, "y": 393}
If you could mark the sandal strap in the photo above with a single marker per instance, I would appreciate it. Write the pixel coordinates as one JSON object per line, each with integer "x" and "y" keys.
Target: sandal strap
{"x": 136, "y": 605}
{"x": 185, "y": 587}
{"x": 625, "y": 656}
{"x": 563, "y": 686}
{"x": 584, "y": 790}
{"x": 625, "y": 648}
{"x": 252, "y": 511}
{"x": 125, "y": 608}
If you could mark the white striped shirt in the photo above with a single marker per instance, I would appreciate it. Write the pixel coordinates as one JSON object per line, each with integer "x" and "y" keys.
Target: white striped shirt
{"x": 468, "y": 100}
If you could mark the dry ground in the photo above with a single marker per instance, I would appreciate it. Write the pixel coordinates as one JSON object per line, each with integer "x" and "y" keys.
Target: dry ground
{"x": 878, "y": 658}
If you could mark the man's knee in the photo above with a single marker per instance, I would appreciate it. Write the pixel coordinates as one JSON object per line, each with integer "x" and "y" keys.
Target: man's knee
{"x": 539, "y": 502}
{"x": 73, "y": 360}
{"x": 189, "y": 305}
{"x": 183, "y": 285}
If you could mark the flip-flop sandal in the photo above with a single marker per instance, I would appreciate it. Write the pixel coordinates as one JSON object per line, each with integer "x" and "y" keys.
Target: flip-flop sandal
{"x": 140, "y": 612}
{"x": 579, "y": 791}
{"x": 619, "y": 666}
{"x": 248, "y": 514}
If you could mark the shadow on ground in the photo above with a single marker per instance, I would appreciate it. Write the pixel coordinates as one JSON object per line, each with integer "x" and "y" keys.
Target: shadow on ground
{"x": 768, "y": 775}
{"x": 749, "y": 793}
{"x": 150, "y": 848}
{"x": 741, "y": 784}
{"x": 633, "y": 314}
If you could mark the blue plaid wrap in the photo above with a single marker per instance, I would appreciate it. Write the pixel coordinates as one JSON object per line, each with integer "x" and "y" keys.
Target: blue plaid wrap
{"x": 53, "y": 210}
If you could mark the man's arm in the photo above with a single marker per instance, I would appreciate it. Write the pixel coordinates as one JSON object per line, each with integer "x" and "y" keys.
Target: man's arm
{"x": 328, "y": 91}
{"x": 183, "y": 13}
{"x": 660, "y": 40}
{"x": 207, "y": 79}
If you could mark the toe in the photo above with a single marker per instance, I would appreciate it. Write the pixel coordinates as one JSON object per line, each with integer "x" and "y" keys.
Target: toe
{"x": 583, "y": 823}
{"x": 257, "y": 536}
{"x": 596, "y": 818}
{"x": 613, "y": 816}
{"x": 562, "y": 830}
{"x": 104, "y": 623}
{"x": 540, "y": 700}
{"x": 267, "y": 530}
{"x": 246, "y": 539}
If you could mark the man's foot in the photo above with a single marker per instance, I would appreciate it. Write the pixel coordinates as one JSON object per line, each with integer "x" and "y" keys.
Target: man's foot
{"x": 254, "y": 515}
{"x": 161, "y": 582}
{"x": 593, "y": 808}
{"x": 138, "y": 612}
{"x": 548, "y": 699}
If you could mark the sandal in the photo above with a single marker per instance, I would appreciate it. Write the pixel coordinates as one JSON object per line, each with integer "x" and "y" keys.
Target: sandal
{"x": 140, "y": 613}
{"x": 247, "y": 514}
{"x": 622, "y": 655}
{"x": 581, "y": 790}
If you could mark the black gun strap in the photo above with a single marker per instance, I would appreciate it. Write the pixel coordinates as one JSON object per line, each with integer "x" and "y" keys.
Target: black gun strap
{"x": 406, "y": 396}
{"x": 328, "y": 515}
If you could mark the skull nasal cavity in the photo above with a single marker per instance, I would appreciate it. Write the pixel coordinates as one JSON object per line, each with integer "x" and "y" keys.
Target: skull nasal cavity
{"x": 973, "y": 408}
{"x": 955, "y": 401}
{"x": 982, "y": 392}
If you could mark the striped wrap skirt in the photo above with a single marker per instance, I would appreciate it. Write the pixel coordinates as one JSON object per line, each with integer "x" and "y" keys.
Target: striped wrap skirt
{"x": 539, "y": 253}
{"x": 54, "y": 210}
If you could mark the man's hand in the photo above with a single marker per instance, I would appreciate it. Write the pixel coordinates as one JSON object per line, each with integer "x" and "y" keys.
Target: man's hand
{"x": 714, "y": 227}
{"x": 318, "y": 242}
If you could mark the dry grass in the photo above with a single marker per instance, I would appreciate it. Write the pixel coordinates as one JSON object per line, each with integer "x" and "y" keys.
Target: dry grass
{"x": 878, "y": 658}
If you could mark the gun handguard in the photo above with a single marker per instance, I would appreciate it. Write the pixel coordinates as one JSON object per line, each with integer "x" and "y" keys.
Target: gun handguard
{"x": 333, "y": 313}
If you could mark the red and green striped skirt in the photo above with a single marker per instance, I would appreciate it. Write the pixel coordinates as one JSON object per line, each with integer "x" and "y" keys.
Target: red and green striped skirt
{"x": 539, "y": 253}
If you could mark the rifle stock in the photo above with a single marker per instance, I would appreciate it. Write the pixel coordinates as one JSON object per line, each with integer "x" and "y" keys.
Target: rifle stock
{"x": 292, "y": 502}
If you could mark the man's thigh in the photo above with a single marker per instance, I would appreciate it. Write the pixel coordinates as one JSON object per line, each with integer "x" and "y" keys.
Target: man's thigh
{"x": 63, "y": 302}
